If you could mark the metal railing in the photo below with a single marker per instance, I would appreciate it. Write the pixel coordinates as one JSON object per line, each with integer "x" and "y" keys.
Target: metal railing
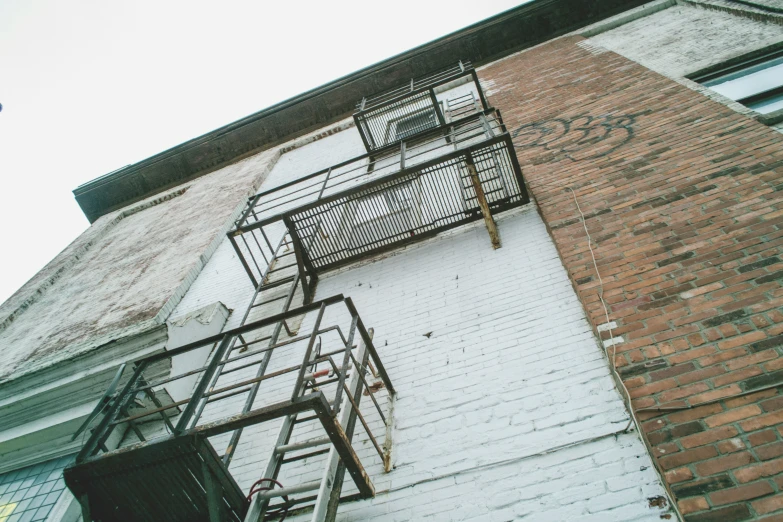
{"x": 391, "y": 116}
{"x": 409, "y": 205}
{"x": 440, "y": 197}
{"x": 331, "y": 346}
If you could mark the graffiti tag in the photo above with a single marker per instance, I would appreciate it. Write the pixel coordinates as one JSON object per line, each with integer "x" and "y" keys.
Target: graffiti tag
{"x": 579, "y": 138}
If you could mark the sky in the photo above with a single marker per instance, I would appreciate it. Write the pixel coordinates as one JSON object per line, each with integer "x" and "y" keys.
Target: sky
{"x": 87, "y": 87}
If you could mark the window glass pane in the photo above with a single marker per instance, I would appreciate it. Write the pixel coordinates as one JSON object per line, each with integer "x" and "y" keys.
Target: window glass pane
{"x": 768, "y": 104}
{"x": 412, "y": 125}
{"x": 750, "y": 81}
{"x": 29, "y": 494}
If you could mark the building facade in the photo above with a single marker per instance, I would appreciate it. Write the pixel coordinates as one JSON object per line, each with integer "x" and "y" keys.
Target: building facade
{"x": 529, "y": 270}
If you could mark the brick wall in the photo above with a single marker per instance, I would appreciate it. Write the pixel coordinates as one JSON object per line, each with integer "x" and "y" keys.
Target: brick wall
{"x": 680, "y": 197}
{"x": 505, "y": 406}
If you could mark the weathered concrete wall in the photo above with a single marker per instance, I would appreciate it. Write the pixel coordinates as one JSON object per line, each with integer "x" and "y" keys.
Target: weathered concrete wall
{"x": 680, "y": 198}
{"x": 127, "y": 271}
{"x": 690, "y": 36}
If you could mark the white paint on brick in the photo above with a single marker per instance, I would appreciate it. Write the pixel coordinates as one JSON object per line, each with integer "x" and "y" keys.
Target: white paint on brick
{"x": 607, "y": 326}
{"x": 511, "y": 371}
{"x": 686, "y": 38}
{"x": 613, "y": 341}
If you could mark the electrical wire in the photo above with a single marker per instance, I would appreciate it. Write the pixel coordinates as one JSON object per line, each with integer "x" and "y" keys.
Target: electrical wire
{"x": 613, "y": 368}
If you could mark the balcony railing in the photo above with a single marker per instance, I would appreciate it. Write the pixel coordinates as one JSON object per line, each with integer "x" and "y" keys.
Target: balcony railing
{"x": 170, "y": 469}
{"x": 381, "y": 200}
{"x": 395, "y": 115}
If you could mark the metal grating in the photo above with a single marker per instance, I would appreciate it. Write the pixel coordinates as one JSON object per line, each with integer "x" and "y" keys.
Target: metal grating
{"x": 409, "y": 205}
{"x": 171, "y": 480}
{"x": 262, "y": 223}
{"x": 391, "y": 116}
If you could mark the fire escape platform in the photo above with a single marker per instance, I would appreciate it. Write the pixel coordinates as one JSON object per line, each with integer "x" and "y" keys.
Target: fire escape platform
{"x": 166, "y": 468}
{"x": 171, "y": 480}
{"x": 441, "y": 178}
{"x": 413, "y": 104}
{"x": 409, "y": 205}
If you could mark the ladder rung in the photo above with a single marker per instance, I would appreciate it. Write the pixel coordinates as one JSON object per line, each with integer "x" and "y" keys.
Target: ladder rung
{"x": 302, "y": 488}
{"x": 255, "y": 341}
{"x": 262, "y": 303}
{"x": 306, "y": 455}
{"x": 326, "y": 372}
{"x": 285, "y": 448}
{"x": 275, "y": 284}
{"x": 306, "y": 419}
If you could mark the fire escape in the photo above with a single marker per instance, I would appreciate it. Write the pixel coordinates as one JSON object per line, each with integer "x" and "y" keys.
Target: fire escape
{"x": 437, "y": 157}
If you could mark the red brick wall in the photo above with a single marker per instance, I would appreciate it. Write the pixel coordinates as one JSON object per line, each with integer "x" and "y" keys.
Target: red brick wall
{"x": 681, "y": 197}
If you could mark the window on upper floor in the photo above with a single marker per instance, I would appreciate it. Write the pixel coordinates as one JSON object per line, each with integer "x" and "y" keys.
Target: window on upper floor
{"x": 408, "y": 126}
{"x": 30, "y": 493}
{"x": 756, "y": 83}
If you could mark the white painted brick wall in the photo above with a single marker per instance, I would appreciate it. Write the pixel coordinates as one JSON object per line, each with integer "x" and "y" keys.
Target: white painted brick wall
{"x": 507, "y": 409}
{"x": 510, "y": 371}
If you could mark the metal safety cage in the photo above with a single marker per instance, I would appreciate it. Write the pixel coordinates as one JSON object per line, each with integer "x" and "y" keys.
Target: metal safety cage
{"x": 167, "y": 467}
{"x": 409, "y": 205}
{"x": 375, "y": 201}
{"x": 391, "y": 116}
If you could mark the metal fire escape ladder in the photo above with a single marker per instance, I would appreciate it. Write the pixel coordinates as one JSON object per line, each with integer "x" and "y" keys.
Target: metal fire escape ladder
{"x": 287, "y": 247}
{"x": 329, "y": 487}
{"x": 179, "y": 477}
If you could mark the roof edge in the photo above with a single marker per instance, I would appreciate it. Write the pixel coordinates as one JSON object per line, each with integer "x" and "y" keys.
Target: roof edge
{"x": 487, "y": 40}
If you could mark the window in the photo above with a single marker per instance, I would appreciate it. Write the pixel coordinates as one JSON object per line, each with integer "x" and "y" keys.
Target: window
{"x": 413, "y": 124}
{"x": 30, "y": 493}
{"x": 757, "y": 84}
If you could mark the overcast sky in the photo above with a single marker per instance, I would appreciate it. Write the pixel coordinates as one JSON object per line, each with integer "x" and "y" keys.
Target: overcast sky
{"x": 87, "y": 87}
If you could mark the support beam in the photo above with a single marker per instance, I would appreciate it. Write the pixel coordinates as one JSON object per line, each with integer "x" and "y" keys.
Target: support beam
{"x": 214, "y": 495}
{"x": 489, "y": 221}
{"x": 306, "y": 271}
{"x": 84, "y": 500}
{"x": 346, "y": 452}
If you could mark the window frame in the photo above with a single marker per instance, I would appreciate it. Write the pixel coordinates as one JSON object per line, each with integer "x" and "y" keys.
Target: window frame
{"x": 738, "y": 64}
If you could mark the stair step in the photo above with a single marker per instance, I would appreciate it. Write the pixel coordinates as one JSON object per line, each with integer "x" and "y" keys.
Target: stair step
{"x": 279, "y": 268}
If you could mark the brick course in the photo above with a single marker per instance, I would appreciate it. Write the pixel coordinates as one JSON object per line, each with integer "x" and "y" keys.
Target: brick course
{"x": 681, "y": 198}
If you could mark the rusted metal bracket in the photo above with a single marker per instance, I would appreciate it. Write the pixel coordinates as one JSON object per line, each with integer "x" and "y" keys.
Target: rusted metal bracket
{"x": 489, "y": 221}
